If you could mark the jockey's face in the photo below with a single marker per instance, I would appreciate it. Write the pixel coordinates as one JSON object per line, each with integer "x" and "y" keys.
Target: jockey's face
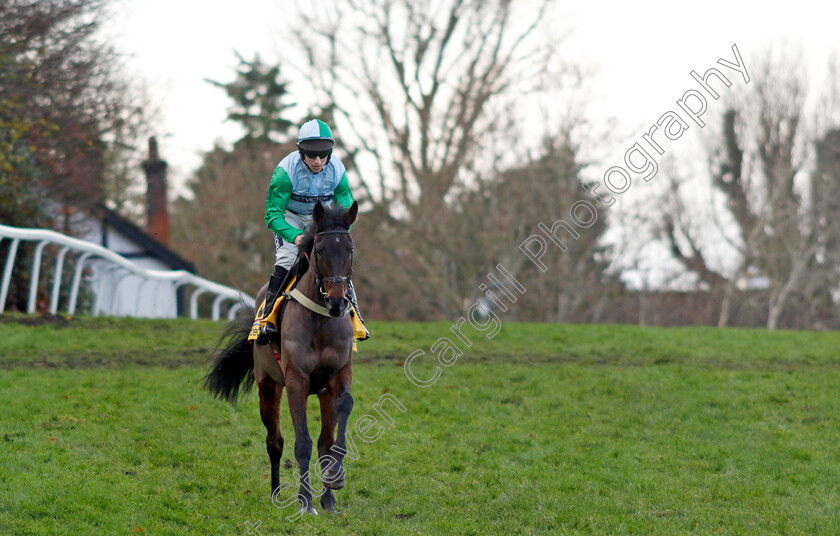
{"x": 316, "y": 165}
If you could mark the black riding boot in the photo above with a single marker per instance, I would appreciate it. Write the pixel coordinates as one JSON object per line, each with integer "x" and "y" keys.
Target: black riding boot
{"x": 269, "y": 331}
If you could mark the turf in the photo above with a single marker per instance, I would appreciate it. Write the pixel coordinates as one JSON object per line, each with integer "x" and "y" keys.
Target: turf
{"x": 543, "y": 429}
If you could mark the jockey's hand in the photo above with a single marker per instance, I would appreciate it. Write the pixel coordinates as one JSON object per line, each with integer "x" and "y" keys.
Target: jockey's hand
{"x": 298, "y": 239}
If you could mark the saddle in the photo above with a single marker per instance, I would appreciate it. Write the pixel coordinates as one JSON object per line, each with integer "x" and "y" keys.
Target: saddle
{"x": 275, "y": 315}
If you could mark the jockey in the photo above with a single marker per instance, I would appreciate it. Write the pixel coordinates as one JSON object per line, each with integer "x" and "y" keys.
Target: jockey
{"x": 307, "y": 176}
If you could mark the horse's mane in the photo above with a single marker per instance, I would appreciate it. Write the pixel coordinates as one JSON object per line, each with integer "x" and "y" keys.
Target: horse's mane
{"x": 333, "y": 217}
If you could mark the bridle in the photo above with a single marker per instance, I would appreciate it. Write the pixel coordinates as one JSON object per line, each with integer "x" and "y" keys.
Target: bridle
{"x": 333, "y": 280}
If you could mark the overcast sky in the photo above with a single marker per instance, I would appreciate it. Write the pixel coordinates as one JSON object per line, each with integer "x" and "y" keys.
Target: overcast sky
{"x": 641, "y": 54}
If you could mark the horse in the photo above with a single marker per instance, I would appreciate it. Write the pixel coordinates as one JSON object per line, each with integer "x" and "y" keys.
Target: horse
{"x": 314, "y": 357}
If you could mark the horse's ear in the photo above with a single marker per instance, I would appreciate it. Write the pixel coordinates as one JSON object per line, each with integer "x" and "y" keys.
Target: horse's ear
{"x": 352, "y": 214}
{"x": 317, "y": 213}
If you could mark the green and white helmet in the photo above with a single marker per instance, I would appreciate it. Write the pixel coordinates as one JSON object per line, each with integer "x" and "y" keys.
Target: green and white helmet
{"x": 315, "y": 135}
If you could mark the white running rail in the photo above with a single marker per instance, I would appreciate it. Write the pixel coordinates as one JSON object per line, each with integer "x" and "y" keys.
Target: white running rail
{"x": 114, "y": 270}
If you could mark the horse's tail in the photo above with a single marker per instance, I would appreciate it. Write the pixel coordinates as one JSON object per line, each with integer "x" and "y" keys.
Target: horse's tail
{"x": 233, "y": 360}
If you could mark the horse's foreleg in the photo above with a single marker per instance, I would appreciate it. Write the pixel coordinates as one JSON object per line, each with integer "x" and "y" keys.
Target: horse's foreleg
{"x": 333, "y": 471}
{"x": 326, "y": 458}
{"x": 270, "y": 394}
{"x": 297, "y": 391}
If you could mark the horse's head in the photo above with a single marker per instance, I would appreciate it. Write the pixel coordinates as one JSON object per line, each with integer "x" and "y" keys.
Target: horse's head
{"x": 332, "y": 254}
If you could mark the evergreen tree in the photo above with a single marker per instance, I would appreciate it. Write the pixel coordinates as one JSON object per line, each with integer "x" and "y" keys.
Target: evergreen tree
{"x": 257, "y": 94}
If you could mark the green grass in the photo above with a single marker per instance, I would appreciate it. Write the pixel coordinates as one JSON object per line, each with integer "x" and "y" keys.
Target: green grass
{"x": 544, "y": 429}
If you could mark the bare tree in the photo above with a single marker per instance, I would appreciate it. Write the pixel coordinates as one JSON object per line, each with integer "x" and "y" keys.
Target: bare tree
{"x": 823, "y": 282}
{"x": 775, "y": 205}
{"x": 421, "y": 83}
{"x": 421, "y": 94}
{"x": 507, "y": 211}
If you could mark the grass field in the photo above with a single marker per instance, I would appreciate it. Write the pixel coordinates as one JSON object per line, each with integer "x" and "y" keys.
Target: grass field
{"x": 545, "y": 429}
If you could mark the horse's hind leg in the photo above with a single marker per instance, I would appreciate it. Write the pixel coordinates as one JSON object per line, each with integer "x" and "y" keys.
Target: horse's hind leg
{"x": 270, "y": 394}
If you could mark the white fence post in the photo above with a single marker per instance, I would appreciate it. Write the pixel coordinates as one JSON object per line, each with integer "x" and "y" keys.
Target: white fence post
{"x": 56, "y": 289}
{"x": 36, "y": 275}
{"x": 77, "y": 281}
{"x": 7, "y": 272}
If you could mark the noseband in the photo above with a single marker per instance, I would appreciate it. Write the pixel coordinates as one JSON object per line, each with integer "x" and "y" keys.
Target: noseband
{"x": 334, "y": 280}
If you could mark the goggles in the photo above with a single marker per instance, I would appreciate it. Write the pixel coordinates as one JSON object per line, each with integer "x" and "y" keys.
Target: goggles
{"x": 316, "y": 154}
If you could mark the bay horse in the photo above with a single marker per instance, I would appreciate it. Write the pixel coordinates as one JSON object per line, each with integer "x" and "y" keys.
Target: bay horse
{"x": 314, "y": 357}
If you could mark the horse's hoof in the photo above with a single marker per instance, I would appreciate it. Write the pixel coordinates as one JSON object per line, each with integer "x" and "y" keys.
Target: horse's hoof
{"x": 309, "y": 510}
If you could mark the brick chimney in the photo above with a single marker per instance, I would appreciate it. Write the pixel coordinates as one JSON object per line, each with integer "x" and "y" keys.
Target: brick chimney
{"x": 156, "y": 208}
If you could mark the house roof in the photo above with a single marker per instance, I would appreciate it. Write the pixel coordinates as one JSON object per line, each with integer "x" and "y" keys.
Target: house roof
{"x": 151, "y": 246}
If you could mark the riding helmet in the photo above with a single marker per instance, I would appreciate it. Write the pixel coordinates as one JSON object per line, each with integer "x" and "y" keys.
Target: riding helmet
{"x": 315, "y": 135}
